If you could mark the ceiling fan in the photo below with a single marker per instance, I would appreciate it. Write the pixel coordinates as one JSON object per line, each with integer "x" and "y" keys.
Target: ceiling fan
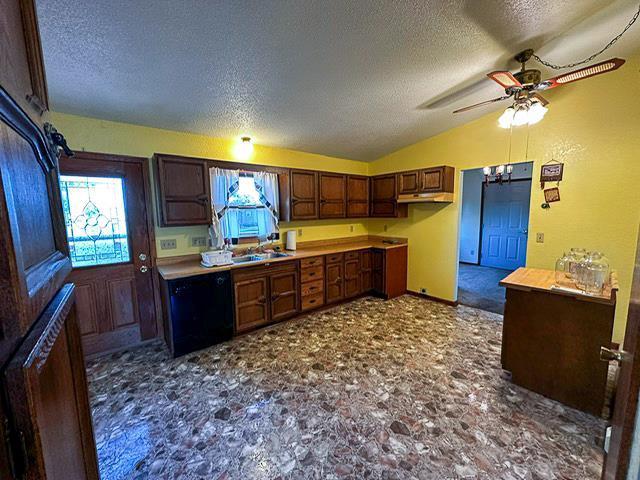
{"x": 524, "y": 85}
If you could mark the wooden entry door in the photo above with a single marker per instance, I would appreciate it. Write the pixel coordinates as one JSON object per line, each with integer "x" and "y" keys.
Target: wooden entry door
{"x": 105, "y": 199}
{"x": 618, "y": 460}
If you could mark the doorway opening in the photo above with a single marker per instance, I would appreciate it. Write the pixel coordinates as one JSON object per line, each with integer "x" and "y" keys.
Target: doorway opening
{"x": 494, "y": 228}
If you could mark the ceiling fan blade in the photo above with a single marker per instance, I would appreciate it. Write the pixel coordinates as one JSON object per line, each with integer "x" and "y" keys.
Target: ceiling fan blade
{"x": 586, "y": 72}
{"x": 504, "y": 78}
{"x": 540, "y": 98}
{"x": 486, "y": 102}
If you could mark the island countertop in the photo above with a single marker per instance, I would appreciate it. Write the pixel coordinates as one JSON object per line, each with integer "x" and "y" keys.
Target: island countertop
{"x": 541, "y": 280}
{"x": 171, "y": 268}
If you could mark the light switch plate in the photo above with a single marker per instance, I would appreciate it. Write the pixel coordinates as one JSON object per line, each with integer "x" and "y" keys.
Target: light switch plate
{"x": 540, "y": 237}
{"x": 169, "y": 244}
{"x": 198, "y": 241}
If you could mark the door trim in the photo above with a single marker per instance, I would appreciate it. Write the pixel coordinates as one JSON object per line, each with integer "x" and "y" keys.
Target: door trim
{"x": 151, "y": 233}
{"x": 484, "y": 187}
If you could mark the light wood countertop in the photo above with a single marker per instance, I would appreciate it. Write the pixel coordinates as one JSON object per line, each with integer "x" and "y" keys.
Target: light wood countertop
{"x": 537, "y": 279}
{"x": 171, "y": 268}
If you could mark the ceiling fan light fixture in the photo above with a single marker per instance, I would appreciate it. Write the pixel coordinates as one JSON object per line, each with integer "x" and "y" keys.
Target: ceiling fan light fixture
{"x": 522, "y": 114}
{"x": 506, "y": 118}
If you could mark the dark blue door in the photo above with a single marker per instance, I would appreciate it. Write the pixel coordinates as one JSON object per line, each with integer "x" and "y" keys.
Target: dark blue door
{"x": 505, "y": 224}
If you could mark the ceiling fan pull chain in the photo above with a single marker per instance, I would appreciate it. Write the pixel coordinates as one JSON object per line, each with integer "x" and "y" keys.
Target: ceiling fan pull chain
{"x": 587, "y": 60}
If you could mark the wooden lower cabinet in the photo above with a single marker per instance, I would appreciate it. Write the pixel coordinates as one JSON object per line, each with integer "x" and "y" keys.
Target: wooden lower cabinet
{"x": 389, "y": 271}
{"x": 265, "y": 294}
{"x": 352, "y": 278}
{"x": 311, "y": 283}
{"x": 366, "y": 279}
{"x": 334, "y": 278}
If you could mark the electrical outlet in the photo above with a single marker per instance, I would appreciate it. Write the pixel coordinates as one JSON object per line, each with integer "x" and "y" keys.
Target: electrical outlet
{"x": 539, "y": 237}
{"x": 299, "y": 232}
{"x": 351, "y": 228}
{"x": 385, "y": 228}
{"x": 423, "y": 290}
{"x": 169, "y": 244}
{"x": 198, "y": 241}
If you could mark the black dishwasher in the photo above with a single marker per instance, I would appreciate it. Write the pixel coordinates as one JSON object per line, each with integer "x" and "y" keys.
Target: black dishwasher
{"x": 201, "y": 311}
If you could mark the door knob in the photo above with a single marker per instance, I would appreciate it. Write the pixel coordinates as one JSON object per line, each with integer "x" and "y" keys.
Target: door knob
{"x": 525, "y": 231}
{"x": 610, "y": 355}
{"x": 142, "y": 257}
{"x": 144, "y": 269}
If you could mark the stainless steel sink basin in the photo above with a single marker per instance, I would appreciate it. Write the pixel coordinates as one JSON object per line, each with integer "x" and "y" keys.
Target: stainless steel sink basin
{"x": 257, "y": 257}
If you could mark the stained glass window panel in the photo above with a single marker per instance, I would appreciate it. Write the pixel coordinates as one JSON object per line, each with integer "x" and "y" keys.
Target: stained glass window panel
{"x": 95, "y": 220}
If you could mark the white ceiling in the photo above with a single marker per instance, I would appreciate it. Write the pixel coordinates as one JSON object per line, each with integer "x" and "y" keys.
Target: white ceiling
{"x": 353, "y": 79}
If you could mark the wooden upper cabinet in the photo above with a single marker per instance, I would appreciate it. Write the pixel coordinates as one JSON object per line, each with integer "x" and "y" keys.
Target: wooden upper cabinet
{"x": 438, "y": 179}
{"x": 384, "y": 197}
{"x": 357, "y": 196}
{"x": 21, "y": 67}
{"x": 409, "y": 182}
{"x": 333, "y": 195}
{"x": 183, "y": 191}
{"x": 304, "y": 194}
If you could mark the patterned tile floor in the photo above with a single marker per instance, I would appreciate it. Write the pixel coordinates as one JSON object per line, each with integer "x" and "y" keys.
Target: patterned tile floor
{"x": 375, "y": 390}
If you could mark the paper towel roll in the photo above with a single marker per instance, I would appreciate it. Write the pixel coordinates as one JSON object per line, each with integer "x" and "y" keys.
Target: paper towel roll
{"x": 291, "y": 240}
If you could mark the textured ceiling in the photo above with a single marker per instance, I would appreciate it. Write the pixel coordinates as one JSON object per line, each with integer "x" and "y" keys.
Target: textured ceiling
{"x": 352, "y": 79}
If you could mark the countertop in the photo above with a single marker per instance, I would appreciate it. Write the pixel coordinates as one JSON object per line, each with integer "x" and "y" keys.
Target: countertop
{"x": 188, "y": 267}
{"x": 537, "y": 279}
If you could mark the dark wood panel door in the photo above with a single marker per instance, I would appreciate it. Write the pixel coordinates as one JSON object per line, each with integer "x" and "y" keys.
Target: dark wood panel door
{"x": 333, "y": 195}
{"x": 106, "y": 200}
{"x": 285, "y": 293}
{"x": 334, "y": 282}
{"x": 304, "y": 194}
{"x": 377, "y": 271}
{"x": 366, "y": 282}
{"x": 352, "y": 278}
{"x": 618, "y": 459}
{"x": 252, "y": 302}
{"x": 357, "y": 196}
{"x": 437, "y": 179}
{"x": 183, "y": 191}
{"x": 409, "y": 182}
{"x": 48, "y": 399}
{"x": 383, "y": 196}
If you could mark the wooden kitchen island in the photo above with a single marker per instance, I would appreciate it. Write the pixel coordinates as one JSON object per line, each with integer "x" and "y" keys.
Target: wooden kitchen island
{"x": 551, "y": 339}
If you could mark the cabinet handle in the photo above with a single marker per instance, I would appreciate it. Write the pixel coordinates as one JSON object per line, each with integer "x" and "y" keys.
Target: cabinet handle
{"x": 275, "y": 296}
{"x": 262, "y": 300}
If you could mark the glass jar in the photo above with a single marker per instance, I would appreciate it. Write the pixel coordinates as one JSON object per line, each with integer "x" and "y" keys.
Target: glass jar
{"x": 563, "y": 276}
{"x": 597, "y": 273}
{"x": 576, "y": 255}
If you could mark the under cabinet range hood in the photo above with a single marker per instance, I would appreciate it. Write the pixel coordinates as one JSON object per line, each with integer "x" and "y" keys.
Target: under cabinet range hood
{"x": 434, "y": 197}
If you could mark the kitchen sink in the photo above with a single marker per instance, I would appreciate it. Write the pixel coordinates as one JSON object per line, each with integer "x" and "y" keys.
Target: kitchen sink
{"x": 257, "y": 257}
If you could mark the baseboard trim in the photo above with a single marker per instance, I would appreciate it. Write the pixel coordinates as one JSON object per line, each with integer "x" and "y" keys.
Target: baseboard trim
{"x": 433, "y": 299}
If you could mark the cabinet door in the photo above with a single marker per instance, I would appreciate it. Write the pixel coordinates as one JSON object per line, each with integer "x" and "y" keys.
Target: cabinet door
{"x": 48, "y": 399}
{"x": 252, "y": 306}
{"x": 334, "y": 282}
{"x": 432, "y": 179}
{"x": 183, "y": 190}
{"x": 352, "y": 280}
{"x": 409, "y": 182}
{"x": 284, "y": 295}
{"x": 366, "y": 271}
{"x": 377, "y": 260}
{"x": 383, "y": 196}
{"x": 333, "y": 195}
{"x": 304, "y": 195}
{"x": 357, "y": 196}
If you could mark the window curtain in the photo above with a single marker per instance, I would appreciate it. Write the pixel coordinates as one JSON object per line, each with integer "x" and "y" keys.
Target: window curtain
{"x": 267, "y": 187}
{"x": 224, "y": 222}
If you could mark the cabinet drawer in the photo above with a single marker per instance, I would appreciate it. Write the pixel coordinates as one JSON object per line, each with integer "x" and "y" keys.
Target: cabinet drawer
{"x": 312, "y": 301}
{"x": 264, "y": 269}
{"x": 311, "y": 274}
{"x": 335, "y": 258}
{"x": 351, "y": 255}
{"x": 311, "y": 262}
{"x": 312, "y": 288}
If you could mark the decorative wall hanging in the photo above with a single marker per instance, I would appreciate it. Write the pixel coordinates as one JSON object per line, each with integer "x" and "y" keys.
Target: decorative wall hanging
{"x": 552, "y": 195}
{"x": 551, "y": 172}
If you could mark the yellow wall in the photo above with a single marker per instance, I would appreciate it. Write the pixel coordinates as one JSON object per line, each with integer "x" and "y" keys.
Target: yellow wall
{"x": 594, "y": 128}
{"x": 120, "y": 138}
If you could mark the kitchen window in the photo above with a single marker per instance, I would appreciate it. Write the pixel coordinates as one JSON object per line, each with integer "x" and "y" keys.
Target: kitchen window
{"x": 245, "y": 206}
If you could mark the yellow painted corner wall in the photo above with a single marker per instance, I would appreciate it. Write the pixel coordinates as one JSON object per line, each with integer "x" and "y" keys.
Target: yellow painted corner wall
{"x": 593, "y": 127}
{"x": 103, "y": 136}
